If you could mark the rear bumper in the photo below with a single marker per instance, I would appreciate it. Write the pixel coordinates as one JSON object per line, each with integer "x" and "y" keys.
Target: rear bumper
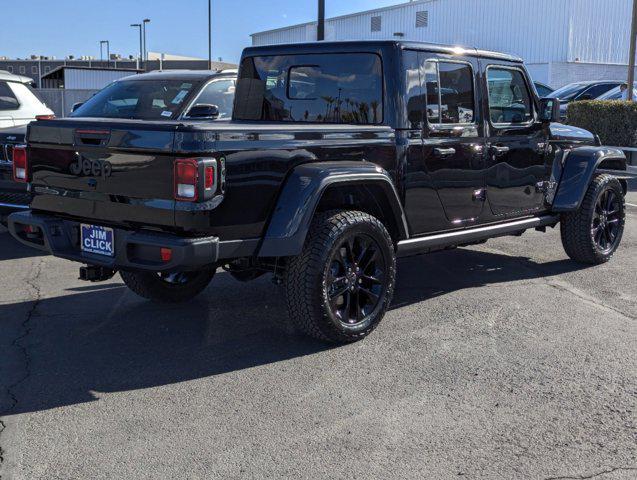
{"x": 134, "y": 250}
{"x": 14, "y": 197}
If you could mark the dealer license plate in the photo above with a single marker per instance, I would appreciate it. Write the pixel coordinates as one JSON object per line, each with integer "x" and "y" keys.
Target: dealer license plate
{"x": 98, "y": 240}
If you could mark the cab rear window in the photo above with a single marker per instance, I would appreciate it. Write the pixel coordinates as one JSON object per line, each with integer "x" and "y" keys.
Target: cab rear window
{"x": 139, "y": 99}
{"x": 337, "y": 88}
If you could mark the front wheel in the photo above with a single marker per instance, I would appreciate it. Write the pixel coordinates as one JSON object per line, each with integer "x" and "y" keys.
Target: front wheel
{"x": 175, "y": 287}
{"x": 341, "y": 285}
{"x": 593, "y": 233}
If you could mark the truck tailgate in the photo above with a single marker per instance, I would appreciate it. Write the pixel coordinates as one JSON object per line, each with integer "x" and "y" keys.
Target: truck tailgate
{"x": 116, "y": 172}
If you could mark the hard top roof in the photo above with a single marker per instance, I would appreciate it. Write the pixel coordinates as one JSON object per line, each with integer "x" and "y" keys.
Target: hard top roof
{"x": 192, "y": 75}
{"x": 353, "y": 45}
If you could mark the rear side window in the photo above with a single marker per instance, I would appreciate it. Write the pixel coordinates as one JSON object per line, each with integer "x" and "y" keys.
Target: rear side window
{"x": 139, "y": 99}
{"x": 219, "y": 92}
{"x": 339, "y": 88}
{"x": 509, "y": 97}
{"x": 450, "y": 95}
{"x": 8, "y": 100}
{"x": 597, "y": 91}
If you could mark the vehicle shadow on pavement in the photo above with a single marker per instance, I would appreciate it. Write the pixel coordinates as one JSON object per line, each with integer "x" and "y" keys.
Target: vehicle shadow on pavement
{"x": 105, "y": 339}
{"x": 432, "y": 275}
{"x": 11, "y": 249}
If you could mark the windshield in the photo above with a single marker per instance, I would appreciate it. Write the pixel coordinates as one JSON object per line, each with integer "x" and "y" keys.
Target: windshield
{"x": 139, "y": 99}
{"x": 569, "y": 92}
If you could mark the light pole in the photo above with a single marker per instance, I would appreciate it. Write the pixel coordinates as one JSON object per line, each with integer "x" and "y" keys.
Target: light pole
{"x": 320, "y": 30}
{"x": 141, "y": 47}
{"x": 144, "y": 22}
{"x": 209, "y": 34}
{"x": 633, "y": 47}
{"x": 108, "y": 52}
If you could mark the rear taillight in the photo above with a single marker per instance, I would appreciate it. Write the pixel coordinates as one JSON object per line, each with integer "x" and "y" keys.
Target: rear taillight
{"x": 186, "y": 178}
{"x": 45, "y": 117}
{"x": 20, "y": 164}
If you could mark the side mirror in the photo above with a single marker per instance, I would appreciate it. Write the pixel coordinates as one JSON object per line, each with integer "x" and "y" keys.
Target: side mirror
{"x": 76, "y": 106}
{"x": 203, "y": 110}
{"x": 550, "y": 110}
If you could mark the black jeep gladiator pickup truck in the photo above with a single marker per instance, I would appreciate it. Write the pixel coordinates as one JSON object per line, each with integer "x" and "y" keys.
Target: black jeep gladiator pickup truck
{"x": 339, "y": 158}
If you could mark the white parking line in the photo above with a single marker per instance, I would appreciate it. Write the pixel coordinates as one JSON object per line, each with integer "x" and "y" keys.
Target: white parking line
{"x": 631, "y": 205}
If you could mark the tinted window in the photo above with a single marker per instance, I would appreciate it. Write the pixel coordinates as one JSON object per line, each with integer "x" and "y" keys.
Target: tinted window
{"x": 415, "y": 100}
{"x": 509, "y": 97}
{"x": 449, "y": 92}
{"x": 569, "y": 91}
{"x": 142, "y": 99}
{"x": 340, "y": 88}
{"x": 543, "y": 90}
{"x": 219, "y": 92}
{"x": 597, "y": 90}
{"x": 8, "y": 100}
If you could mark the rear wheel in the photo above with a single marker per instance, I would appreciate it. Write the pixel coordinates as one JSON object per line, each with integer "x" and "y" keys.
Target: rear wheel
{"x": 341, "y": 285}
{"x": 173, "y": 287}
{"x": 593, "y": 233}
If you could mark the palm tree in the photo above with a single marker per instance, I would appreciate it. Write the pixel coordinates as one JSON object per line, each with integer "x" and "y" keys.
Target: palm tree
{"x": 375, "y": 106}
{"x": 329, "y": 100}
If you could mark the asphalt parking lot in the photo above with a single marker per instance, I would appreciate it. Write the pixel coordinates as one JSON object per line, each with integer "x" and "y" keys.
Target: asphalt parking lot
{"x": 500, "y": 361}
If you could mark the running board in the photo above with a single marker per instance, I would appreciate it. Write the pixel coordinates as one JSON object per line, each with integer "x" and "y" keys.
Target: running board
{"x": 415, "y": 246}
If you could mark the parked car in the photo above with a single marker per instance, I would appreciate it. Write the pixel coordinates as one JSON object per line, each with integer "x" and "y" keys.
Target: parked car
{"x": 164, "y": 95}
{"x": 581, "y": 91}
{"x": 216, "y": 90}
{"x": 616, "y": 94}
{"x": 340, "y": 158}
{"x": 19, "y": 104}
{"x": 14, "y": 196}
{"x": 543, "y": 90}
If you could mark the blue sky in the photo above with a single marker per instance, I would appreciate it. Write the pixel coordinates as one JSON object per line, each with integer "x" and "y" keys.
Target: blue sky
{"x": 63, "y": 27}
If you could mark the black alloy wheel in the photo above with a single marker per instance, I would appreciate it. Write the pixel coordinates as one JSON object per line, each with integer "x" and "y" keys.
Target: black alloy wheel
{"x": 339, "y": 288}
{"x": 355, "y": 279}
{"x": 592, "y": 233}
{"x": 607, "y": 221}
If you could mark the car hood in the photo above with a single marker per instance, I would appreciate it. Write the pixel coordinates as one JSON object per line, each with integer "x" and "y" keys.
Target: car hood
{"x": 571, "y": 134}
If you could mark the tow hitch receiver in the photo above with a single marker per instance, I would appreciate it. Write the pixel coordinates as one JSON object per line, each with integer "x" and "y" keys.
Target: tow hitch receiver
{"x": 93, "y": 273}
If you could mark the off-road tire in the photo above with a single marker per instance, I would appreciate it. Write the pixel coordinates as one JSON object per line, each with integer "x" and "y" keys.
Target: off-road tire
{"x": 576, "y": 227}
{"x": 306, "y": 276}
{"x": 150, "y": 285}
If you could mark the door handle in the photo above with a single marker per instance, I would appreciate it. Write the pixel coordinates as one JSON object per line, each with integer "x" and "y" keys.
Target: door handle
{"x": 499, "y": 150}
{"x": 444, "y": 152}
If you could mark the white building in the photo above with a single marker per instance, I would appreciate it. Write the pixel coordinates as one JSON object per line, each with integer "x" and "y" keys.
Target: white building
{"x": 562, "y": 41}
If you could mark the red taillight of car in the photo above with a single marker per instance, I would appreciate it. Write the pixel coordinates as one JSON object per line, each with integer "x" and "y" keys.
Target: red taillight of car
{"x": 45, "y": 117}
{"x": 210, "y": 178}
{"x": 186, "y": 177}
{"x": 20, "y": 164}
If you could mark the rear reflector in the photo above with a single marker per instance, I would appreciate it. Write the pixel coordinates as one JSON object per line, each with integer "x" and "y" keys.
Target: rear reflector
{"x": 186, "y": 176}
{"x": 20, "y": 164}
{"x": 166, "y": 254}
{"x": 210, "y": 178}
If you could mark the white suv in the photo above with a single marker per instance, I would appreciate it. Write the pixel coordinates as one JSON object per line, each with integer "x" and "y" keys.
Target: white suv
{"x": 18, "y": 104}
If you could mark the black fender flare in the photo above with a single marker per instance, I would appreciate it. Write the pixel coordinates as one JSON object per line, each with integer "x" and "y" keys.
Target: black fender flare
{"x": 302, "y": 192}
{"x": 579, "y": 167}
